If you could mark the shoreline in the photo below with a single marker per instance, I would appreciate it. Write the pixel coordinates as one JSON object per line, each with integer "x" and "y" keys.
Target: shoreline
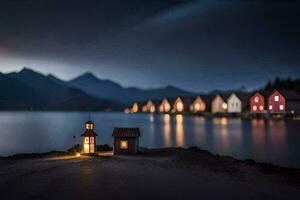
{"x": 143, "y": 151}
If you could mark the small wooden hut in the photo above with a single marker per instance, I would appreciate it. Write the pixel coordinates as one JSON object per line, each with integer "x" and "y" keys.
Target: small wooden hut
{"x": 126, "y": 140}
{"x": 198, "y": 105}
{"x": 234, "y": 104}
{"x": 257, "y": 103}
{"x": 165, "y": 106}
{"x": 218, "y": 105}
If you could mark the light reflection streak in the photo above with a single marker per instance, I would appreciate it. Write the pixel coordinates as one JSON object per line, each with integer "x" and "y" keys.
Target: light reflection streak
{"x": 167, "y": 130}
{"x": 179, "y": 130}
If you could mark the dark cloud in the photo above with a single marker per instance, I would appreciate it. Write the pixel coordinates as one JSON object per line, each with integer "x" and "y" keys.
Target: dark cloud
{"x": 201, "y": 45}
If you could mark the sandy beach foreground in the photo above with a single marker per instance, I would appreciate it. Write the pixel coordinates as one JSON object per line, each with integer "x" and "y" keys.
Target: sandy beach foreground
{"x": 154, "y": 174}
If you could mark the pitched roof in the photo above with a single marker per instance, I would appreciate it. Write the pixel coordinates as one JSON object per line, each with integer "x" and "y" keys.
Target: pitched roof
{"x": 89, "y": 133}
{"x": 126, "y": 132}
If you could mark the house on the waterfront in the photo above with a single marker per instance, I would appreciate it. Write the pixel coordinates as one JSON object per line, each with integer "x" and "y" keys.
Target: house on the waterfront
{"x": 126, "y": 140}
{"x": 89, "y": 139}
{"x": 198, "y": 105}
{"x": 257, "y": 103}
{"x": 218, "y": 105}
{"x": 149, "y": 107}
{"x": 165, "y": 106}
{"x": 284, "y": 101}
{"x": 135, "y": 107}
{"x": 234, "y": 104}
{"x": 178, "y": 106}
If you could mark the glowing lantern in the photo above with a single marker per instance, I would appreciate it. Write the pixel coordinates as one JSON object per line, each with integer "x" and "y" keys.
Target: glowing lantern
{"x": 89, "y": 139}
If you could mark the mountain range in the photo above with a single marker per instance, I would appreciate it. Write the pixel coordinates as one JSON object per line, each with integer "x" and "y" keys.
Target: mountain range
{"x": 30, "y": 90}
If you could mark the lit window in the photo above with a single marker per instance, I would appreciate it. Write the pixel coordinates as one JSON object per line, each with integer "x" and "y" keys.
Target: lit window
{"x": 261, "y": 108}
{"x": 276, "y": 98}
{"x": 92, "y": 149}
{"x": 86, "y": 148}
{"x": 124, "y": 144}
{"x": 281, "y": 107}
{"x": 254, "y": 108}
{"x": 92, "y": 140}
{"x": 270, "y": 107}
{"x": 89, "y": 126}
{"x": 224, "y": 106}
{"x": 86, "y": 140}
{"x": 256, "y": 99}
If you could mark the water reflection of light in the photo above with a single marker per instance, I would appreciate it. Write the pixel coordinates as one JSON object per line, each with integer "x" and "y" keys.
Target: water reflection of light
{"x": 151, "y": 118}
{"x": 200, "y": 132}
{"x": 220, "y": 121}
{"x": 179, "y": 118}
{"x": 167, "y": 118}
{"x": 221, "y": 136}
{"x": 278, "y": 135}
{"x": 167, "y": 130}
{"x": 258, "y": 134}
{"x": 179, "y": 130}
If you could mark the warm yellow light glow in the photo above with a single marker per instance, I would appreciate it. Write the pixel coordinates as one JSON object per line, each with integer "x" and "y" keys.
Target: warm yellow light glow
{"x": 124, "y": 144}
{"x": 92, "y": 140}
{"x": 152, "y": 109}
{"x": 179, "y": 106}
{"x": 224, "y": 106}
{"x": 167, "y": 107}
{"x": 224, "y": 121}
{"x": 77, "y": 154}
{"x": 179, "y": 118}
{"x": 167, "y": 118}
{"x": 135, "y": 108}
{"x": 179, "y": 130}
{"x": 89, "y": 126}
{"x": 86, "y": 148}
{"x": 92, "y": 148}
{"x": 144, "y": 109}
{"x": 197, "y": 107}
{"x": 161, "y": 108}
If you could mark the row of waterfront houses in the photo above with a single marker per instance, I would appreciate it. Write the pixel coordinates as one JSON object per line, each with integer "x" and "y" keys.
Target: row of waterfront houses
{"x": 279, "y": 101}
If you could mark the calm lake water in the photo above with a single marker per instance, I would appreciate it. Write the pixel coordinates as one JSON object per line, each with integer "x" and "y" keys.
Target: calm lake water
{"x": 273, "y": 141}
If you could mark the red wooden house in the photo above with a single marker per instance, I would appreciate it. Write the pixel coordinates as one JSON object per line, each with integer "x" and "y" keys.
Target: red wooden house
{"x": 284, "y": 101}
{"x": 257, "y": 103}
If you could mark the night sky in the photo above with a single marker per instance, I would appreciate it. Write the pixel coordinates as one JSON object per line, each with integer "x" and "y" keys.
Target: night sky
{"x": 195, "y": 45}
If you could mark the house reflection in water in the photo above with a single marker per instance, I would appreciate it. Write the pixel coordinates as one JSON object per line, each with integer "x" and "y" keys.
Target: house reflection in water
{"x": 179, "y": 130}
{"x": 258, "y": 135}
{"x": 220, "y": 134}
{"x": 200, "y": 132}
{"x": 167, "y": 130}
{"x": 278, "y": 137}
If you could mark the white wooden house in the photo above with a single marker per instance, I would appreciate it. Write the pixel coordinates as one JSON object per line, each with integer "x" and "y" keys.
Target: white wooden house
{"x": 234, "y": 104}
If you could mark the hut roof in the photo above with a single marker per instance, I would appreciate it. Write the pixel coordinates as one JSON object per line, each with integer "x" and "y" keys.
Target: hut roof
{"x": 89, "y": 133}
{"x": 126, "y": 132}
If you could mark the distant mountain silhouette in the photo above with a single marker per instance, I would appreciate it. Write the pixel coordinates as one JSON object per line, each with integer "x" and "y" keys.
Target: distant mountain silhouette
{"x": 110, "y": 90}
{"x": 29, "y": 90}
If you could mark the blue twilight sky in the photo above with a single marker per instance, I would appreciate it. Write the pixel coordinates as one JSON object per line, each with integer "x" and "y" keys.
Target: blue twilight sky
{"x": 196, "y": 45}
